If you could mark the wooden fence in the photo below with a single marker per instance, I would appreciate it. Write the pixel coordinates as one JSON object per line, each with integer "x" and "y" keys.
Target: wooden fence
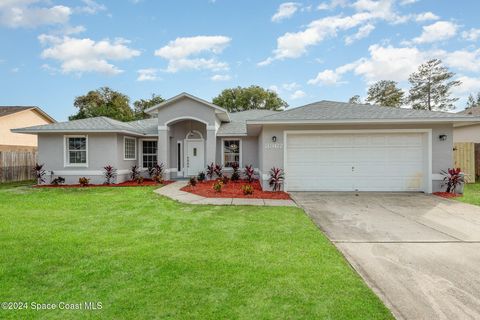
{"x": 464, "y": 158}
{"x": 17, "y": 165}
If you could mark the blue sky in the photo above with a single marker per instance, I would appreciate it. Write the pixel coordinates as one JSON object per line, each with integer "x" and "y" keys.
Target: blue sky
{"x": 54, "y": 50}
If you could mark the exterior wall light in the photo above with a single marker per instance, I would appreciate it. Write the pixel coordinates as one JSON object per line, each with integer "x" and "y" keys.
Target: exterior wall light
{"x": 442, "y": 137}
{"x": 274, "y": 139}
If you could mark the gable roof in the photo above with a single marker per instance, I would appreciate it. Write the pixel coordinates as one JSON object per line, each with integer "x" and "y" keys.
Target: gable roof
{"x": 238, "y": 121}
{"x": 341, "y": 112}
{"x": 7, "y": 110}
{"x": 221, "y": 112}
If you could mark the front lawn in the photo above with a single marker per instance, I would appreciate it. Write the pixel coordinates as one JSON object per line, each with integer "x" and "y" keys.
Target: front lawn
{"x": 143, "y": 257}
{"x": 471, "y": 194}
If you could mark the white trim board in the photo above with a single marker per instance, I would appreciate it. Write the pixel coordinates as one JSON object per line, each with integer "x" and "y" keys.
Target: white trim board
{"x": 428, "y": 132}
{"x": 85, "y": 172}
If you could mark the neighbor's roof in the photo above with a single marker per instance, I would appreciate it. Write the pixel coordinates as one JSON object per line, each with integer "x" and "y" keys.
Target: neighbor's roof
{"x": 7, "y": 110}
{"x": 238, "y": 121}
{"x": 341, "y": 112}
{"x": 474, "y": 111}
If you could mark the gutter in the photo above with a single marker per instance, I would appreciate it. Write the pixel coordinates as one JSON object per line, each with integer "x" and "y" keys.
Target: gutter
{"x": 366, "y": 121}
{"x": 33, "y": 131}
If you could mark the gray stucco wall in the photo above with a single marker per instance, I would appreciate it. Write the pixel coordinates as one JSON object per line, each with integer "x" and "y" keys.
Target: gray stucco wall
{"x": 103, "y": 149}
{"x": 467, "y": 134}
{"x": 442, "y": 151}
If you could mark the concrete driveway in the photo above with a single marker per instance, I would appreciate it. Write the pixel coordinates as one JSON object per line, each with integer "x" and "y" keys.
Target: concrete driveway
{"x": 419, "y": 253}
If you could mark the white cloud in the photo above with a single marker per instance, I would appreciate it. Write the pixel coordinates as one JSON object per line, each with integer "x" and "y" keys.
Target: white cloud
{"x": 406, "y": 2}
{"x": 179, "y": 52}
{"x": 326, "y": 77}
{"x": 149, "y": 74}
{"x": 274, "y": 88}
{"x": 91, "y": 7}
{"x": 285, "y": 10}
{"x": 290, "y": 86}
{"x": 471, "y": 35}
{"x": 462, "y": 59}
{"x": 426, "y": 16}
{"x": 439, "y": 31}
{"x": 220, "y": 77}
{"x": 469, "y": 85}
{"x": 23, "y": 13}
{"x": 69, "y": 30}
{"x": 295, "y": 44}
{"x": 85, "y": 55}
{"x": 332, "y": 4}
{"x": 332, "y": 77}
{"x": 397, "y": 63}
{"x": 363, "y": 32}
{"x": 298, "y": 94}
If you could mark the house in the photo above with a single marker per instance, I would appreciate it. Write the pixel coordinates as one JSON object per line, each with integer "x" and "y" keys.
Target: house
{"x": 471, "y": 132}
{"x": 14, "y": 117}
{"x": 323, "y": 146}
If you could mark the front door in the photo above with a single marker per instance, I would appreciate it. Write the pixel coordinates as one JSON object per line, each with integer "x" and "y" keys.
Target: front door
{"x": 195, "y": 159}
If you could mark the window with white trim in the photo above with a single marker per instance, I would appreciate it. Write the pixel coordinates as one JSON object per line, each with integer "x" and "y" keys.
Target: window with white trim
{"x": 231, "y": 152}
{"x": 76, "y": 152}
{"x": 130, "y": 148}
{"x": 149, "y": 153}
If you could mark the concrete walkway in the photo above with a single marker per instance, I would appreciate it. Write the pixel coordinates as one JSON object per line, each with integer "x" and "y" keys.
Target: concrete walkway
{"x": 419, "y": 253}
{"x": 173, "y": 191}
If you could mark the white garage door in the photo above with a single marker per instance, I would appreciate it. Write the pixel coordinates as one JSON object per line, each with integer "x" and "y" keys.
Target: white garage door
{"x": 360, "y": 161}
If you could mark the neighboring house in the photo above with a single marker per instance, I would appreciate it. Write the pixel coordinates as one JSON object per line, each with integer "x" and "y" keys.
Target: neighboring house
{"x": 15, "y": 117}
{"x": 471, "y": 132}
{"x": 325, "y": 146}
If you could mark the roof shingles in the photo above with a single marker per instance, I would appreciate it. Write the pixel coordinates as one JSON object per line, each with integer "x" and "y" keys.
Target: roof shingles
{"x": 331, "y": 110}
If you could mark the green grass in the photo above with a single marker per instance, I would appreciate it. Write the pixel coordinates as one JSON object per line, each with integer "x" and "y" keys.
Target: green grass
{"x": 471, "y": 194}
{"x": 146, "y": 257}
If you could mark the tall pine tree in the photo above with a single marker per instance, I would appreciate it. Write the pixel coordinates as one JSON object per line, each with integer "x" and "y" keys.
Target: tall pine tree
{"x": 431, "y": 86}
{"x": 473, "y": 101}
{"x": 385, "y": 93}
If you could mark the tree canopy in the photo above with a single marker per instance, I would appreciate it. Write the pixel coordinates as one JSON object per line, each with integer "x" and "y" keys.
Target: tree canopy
{"x": 355, "y": 99}
{"x": 248, "y": 98}
{"x": 113, "y": 104}
{"x": 431, "y": 87}
{"x": 385, "y": 93}
{"x": 141, "y": 105}
{"x": 473, "y": 101}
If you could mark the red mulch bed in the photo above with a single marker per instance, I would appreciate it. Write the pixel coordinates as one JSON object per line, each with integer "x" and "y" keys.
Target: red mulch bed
{"x": 234, "y": 190}
{"x": 130, "y": 183}
{"x": 447, "y": 195}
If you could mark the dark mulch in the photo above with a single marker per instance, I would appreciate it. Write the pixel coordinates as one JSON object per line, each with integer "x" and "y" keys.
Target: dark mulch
{"x": 447, "y": 195}
{"x": 234, "y": 190}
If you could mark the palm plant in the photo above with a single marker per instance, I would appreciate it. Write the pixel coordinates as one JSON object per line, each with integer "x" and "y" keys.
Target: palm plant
{"x": 276, "y": 178}
{"x": 249, "y": 173}
{"x": 39, "y": 173}
{"x": 110, "y": 174}
{"x": 452, "y": 178}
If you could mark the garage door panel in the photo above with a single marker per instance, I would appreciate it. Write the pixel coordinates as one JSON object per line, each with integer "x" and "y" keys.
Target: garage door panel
{"x": 347, "y": 162}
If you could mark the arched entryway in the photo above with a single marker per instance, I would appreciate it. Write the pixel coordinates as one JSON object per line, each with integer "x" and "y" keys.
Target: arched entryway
{"x": 187, "y": 150}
